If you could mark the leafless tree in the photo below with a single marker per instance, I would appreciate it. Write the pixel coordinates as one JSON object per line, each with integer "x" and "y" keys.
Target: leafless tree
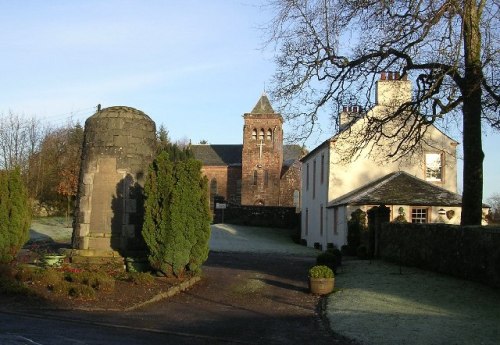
{"x": 330, "y": 53}
{"x": 20, "y": 137}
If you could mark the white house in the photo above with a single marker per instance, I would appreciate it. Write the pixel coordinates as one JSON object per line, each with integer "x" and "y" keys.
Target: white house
{"x": 421, "y": 186}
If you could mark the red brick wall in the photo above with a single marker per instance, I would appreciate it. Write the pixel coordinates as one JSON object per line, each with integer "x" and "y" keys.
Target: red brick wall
{"x": 270, "y": 160}
{"x": 290, "y": 182}
{"x": 227, "y": 181}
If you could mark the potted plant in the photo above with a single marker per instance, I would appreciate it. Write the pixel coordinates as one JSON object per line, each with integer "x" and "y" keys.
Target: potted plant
{"x": 321, "y": 280}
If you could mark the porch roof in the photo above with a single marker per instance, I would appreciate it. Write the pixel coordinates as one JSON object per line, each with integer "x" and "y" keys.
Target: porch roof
{"x": 399, "y": 188}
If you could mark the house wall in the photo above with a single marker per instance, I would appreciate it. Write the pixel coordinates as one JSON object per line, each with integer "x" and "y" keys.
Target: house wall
{"x": 348, "y": 171}
{"x": 314, "y": 198}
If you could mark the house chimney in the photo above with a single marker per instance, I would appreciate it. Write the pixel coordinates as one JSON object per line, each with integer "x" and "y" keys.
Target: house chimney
{"x": 391, "y": 90}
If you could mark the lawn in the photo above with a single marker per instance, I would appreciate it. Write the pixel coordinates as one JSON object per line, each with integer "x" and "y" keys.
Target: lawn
{"x": 378, "y": 305}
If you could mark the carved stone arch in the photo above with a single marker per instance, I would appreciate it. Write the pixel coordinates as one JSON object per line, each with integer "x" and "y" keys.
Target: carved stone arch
{"x": 269, "y": 135}
{"x": 254, "y": 134}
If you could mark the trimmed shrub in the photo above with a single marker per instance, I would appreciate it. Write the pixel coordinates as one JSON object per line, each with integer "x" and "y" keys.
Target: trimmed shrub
{"x": 362, "y": 252}
{"x": 356, "y": 230}
{"x": 177, "y": 214}
{"x": 15, "y": 215}
{"x": 321, "y": 271}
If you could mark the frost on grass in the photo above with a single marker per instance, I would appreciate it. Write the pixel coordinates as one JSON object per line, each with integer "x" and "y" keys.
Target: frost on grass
{"x": 377, "y": 305}
{"x": 237, "y": 238}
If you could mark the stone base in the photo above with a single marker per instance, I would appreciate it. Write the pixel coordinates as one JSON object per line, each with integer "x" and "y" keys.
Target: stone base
{"x": 94, "y": 256}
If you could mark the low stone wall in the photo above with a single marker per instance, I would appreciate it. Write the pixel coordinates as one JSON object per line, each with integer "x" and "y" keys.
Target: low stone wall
{"x": 471, "y": 253}
{"x": 266, "y": 216}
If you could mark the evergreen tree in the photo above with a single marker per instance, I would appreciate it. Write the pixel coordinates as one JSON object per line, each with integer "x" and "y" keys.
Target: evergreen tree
{"x": 177, "y": 217}
{"x": 15, "y": 215}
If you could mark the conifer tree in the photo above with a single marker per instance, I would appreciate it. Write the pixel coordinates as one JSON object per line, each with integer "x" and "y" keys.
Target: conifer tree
{"x": 177, "y": 216}
{"x": 15, "y": 215}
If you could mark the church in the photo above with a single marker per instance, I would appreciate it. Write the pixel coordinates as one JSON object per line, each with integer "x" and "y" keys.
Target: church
{"x": 262, "y": 171}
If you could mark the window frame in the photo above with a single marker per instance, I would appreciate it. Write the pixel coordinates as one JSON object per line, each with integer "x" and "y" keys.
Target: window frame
{"x": 416, "y": 215}
{"x": 426, "y": 175}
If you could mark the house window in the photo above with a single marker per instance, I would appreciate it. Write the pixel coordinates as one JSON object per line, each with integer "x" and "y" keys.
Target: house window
{"x": 321, "y": 220}
{"x": 213, "y": 187}
{"x": 255, "y": 177}
{"x": 254, "y": 134}
{"x": 419, "y": 215}
{"x": 269, "y": 134}
{"x": 314, "y": 179}
{"x": 322, "y": 168}
{"x": 307, "y": 176}
{"x": 266, "y": 178}
{"x": 307, "y": 221}
{"x": 261, "y": 134}
{"x": 433, "y": 166}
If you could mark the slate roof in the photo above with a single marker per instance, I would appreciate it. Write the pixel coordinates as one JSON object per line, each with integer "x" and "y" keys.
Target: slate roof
{"x": 399, "y": 188}
{"x": 224, "y": 155}
{"x": 218, "y": 155}
{"x": 263, "y": 106}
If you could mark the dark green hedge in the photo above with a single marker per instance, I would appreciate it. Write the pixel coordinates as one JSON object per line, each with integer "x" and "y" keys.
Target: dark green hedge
{"x": 471, "y": 253}
{"x": 15, "y": 215}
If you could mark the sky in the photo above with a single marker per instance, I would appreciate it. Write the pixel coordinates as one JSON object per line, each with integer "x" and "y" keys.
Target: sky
{"x": 194, "y": 66}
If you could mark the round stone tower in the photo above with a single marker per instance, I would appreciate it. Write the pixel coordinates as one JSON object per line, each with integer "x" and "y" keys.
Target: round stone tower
{"x": 119, "y": 144}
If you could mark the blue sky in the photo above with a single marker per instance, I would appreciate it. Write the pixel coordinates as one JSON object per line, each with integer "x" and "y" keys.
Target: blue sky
{"x": 195, "y": 66}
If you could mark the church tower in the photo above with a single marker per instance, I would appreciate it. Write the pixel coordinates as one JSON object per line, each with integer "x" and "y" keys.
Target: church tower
{"x": 262, "y": 156}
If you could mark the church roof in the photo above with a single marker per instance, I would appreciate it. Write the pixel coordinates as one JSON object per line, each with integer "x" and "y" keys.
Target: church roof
{"x": 399, "y": 188}
{"x": 263, "y": 106}
{"x": 224, "y": 155}
{"x": 216, "y": 155}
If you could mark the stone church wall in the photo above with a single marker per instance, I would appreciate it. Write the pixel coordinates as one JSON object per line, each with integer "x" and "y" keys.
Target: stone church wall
{"x": 290, "y": 186}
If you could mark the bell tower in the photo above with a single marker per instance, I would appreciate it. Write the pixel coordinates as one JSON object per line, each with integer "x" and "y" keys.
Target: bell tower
{"x": 262, "y": 156}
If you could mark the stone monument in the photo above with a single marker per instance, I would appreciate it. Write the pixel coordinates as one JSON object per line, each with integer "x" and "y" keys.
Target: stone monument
{"x": 119, "y": 144}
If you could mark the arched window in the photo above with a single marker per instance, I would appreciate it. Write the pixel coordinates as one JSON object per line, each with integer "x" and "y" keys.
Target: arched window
{"x": 261, "y": 134}
{"x": 269, "y": 134}
{"x": 296, "y": 198}
{"x": 213, "y": 187}
{"x": 255, "y": 177}
{"x": 254, "y": 134}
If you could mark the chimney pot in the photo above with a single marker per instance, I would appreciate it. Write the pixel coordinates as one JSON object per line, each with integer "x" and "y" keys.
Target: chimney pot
{"x": 390, "y": 75}
{"x": 397, "y": 76}
{"x": 382, "y": 76}
{"x": 355, "y": 109}
{"x": 345, "y": 109}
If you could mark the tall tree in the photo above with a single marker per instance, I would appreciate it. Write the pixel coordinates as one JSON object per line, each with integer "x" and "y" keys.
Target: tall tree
{"x": 177, "y": 216}
{"x": 331, "y": 52}
{"x": 15, "y": 214}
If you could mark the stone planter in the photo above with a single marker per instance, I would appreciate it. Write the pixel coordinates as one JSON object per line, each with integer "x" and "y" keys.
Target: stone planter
{"x": 53, "y": 260}
{"x": 321, "y": 286}
{"x": 137, "y": 265}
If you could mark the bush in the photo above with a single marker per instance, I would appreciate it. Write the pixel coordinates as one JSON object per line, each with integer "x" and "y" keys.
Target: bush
{"x": 15, "y": 215}
{"x": 177, "y": 214}
{"x": 331, "y": 258}
{"x": 362, "y": 252}
{"x": 356, "y": 230}
{"x": 321, "y": 271}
